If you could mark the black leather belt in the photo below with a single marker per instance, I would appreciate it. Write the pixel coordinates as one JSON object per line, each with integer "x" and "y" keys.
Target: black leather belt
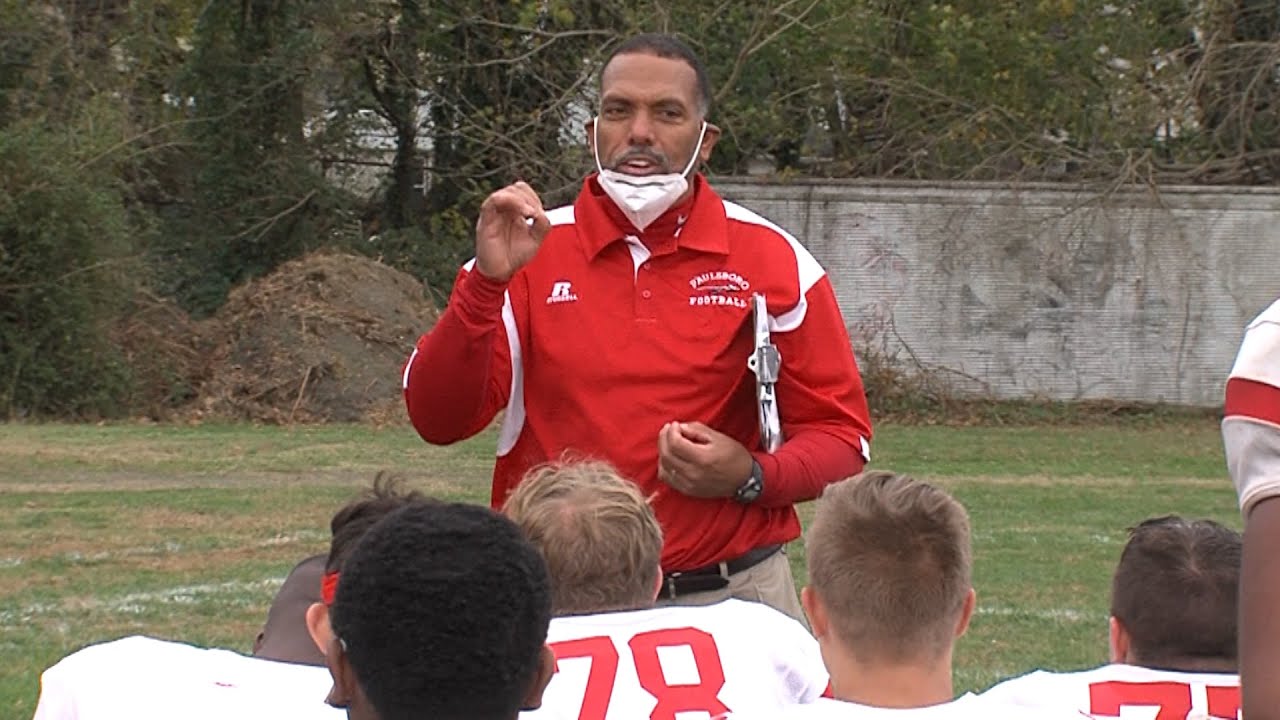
{"x": 712, "y": 577}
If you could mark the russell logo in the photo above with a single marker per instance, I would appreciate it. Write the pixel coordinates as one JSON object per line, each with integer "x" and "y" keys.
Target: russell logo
{"x": 562, "y": 292}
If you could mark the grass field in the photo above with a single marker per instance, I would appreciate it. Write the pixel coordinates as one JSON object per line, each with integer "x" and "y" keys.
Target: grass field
{"x": 184, "y": 532}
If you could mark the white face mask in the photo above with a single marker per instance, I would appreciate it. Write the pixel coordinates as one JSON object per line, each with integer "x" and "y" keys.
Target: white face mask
{"x": 643, "y": 198}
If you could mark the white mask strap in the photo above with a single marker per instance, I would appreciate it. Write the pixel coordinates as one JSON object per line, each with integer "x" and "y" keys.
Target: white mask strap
{"x": 595, "y": 142}
{"x": 696, "y": 149}
{"x": 595, "y": 146}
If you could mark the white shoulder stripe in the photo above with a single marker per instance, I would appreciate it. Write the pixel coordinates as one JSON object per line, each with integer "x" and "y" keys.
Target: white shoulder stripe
{"x": 1259, "y": 356}
{"x": 808, "y": 269}
{"x": 562, "y": 215}
{"x": 404, "y": 380}
{"x": 791, "y": 319}
{"x": 513, "y": 420}
{"x": 734, "y": 211}
{"x": 1270, "y": 315}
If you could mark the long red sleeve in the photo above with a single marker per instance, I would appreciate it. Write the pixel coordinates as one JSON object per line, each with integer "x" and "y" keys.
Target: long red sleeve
{"x": 459, "y": 376}
{"x": 803, "y": 466}
{"x": 825, "y": 420}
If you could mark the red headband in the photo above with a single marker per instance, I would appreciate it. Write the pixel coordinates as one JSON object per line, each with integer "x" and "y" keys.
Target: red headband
{"x": 328, "y": 587}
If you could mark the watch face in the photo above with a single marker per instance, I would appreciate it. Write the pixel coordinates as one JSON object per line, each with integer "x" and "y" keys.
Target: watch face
{"x": 753, "y": 487}
{"x": 750, "y": 490}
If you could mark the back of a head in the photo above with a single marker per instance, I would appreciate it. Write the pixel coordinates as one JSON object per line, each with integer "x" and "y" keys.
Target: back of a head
{"x": 890, "y": 558}
{"x": 388, "y": 493}
{"x": 600, "y": 539}
{"x": 288, "y": 633}
{"x": 443, "y": 611}
{"x": 1175, "y": 591}
{"x": 284, "y": 636}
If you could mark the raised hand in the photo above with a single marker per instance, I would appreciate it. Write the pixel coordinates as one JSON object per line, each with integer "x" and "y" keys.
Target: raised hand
{"x": 509, "y": 231}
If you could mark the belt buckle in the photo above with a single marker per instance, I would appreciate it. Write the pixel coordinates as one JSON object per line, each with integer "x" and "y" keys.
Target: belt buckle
{"x": 670, "y": 582}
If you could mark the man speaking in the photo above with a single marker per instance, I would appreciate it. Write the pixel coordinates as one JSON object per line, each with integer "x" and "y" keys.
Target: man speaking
{"x": 620, "y": 327}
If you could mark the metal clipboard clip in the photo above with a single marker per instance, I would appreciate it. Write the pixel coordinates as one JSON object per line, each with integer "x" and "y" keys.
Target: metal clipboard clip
{"x": 766, "y": 362}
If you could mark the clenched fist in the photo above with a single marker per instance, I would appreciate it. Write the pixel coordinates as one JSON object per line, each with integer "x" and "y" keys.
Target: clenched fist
{"x": 701, "y": 462}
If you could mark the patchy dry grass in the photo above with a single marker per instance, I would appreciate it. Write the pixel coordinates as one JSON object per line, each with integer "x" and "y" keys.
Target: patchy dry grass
{"x": 185, "y": 532}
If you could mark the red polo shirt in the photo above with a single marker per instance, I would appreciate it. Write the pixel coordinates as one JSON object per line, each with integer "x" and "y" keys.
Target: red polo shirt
{"x": 609, "y": 333}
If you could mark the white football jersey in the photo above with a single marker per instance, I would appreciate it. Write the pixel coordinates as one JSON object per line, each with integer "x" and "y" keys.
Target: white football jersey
{"x": 1126, "y": 691}
{"x": 679, "y": 663}
{"x": 141, "y": 678}
{"x": 1251, "y": 422}
{"x": 965, "y": 707}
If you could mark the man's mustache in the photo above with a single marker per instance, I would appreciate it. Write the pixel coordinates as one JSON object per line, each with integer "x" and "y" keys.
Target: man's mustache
{"x": 642, "y": 154}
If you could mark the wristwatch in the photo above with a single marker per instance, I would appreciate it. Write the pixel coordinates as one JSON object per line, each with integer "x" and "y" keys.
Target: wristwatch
{"x": 750, "y": 489}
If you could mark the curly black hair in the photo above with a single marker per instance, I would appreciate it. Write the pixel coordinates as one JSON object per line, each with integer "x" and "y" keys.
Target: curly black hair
{"x": 443, "y": 609}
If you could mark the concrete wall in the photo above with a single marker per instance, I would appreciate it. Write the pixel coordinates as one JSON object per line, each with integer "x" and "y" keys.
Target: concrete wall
{"x": 1042, "y": 291}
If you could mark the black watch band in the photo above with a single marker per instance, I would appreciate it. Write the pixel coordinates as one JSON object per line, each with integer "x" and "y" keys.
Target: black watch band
{"x": 752, "y": 487}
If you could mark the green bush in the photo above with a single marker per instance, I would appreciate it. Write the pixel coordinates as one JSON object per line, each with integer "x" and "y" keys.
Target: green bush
{"x": 65, "y": 239}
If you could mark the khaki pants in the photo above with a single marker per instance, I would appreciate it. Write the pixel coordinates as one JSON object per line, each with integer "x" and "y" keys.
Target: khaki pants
{"x": 767, "y": 582}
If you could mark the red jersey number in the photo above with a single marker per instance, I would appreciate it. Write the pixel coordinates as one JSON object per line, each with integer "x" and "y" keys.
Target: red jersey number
{"x": 1173, "y": 699}
{"x": 701, "y": 696}
{"x": 1224, "y": 702}
{"x": 604, "y": 668}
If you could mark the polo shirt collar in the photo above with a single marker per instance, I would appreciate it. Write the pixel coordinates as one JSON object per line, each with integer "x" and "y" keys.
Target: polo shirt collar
{"x": 704, "y": 228}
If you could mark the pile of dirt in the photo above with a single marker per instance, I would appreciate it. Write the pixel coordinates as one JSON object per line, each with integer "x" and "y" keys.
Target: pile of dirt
{"x": 321, "y": 339}
{"x": 169, "y": 355}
